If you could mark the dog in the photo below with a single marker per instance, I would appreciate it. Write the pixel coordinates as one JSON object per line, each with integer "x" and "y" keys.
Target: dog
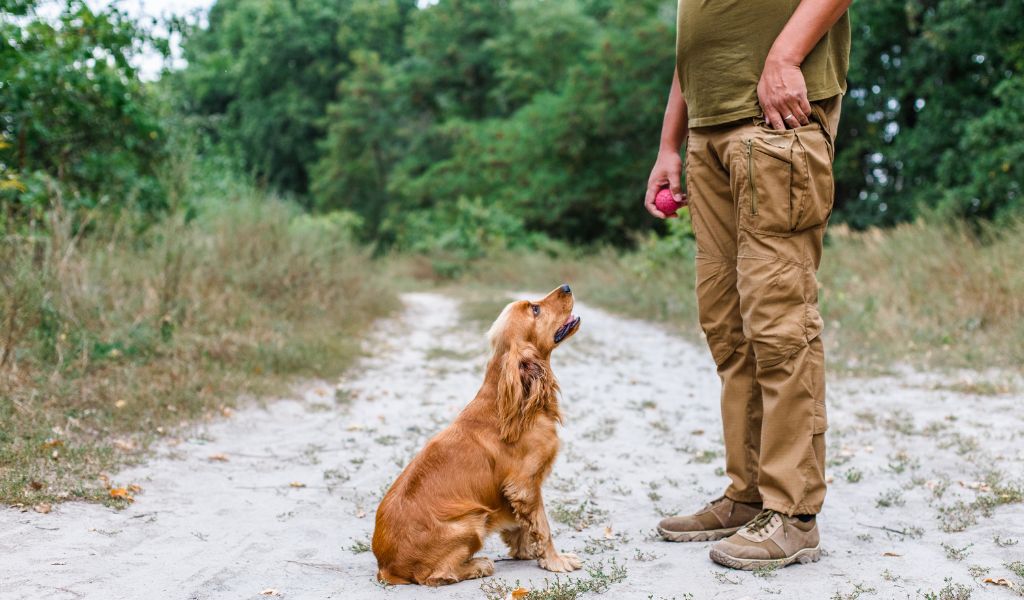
{"x": 483, "y": 473}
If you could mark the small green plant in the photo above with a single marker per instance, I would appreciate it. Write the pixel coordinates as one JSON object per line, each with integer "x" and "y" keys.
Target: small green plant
{"x": 358, "y": 547}
{"x": 893, "y": 497}
{"x": 951, "y": 591}
{"x": 767, "y": 571}
{"x": 977, "y": 571}
{"x": 578, "y": 517}
{"x": 954, "y": 553}
{"x": 598, "y": 580}
{"x": 641, "y": 556}
{"x": 859, "y": 589}
{"x": 853, "y": 475}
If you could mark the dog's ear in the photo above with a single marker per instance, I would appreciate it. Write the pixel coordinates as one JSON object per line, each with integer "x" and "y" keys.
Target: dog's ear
{"x": 526, "y": 385}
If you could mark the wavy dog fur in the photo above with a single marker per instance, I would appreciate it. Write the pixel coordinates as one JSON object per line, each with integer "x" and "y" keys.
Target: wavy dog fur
{"x": 483, "y": 473}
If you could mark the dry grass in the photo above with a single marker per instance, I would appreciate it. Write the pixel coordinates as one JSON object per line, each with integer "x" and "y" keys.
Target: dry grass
{"x": 113, "y": 339}
{"x": 927, "y": 294}
{"x": 920, "y": 294}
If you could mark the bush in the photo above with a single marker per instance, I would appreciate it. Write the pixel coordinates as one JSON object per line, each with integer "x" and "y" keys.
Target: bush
{"x": 122, "y": 334}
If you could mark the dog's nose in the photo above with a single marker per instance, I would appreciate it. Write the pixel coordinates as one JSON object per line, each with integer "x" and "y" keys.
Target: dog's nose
{"x": 566, "y": 289}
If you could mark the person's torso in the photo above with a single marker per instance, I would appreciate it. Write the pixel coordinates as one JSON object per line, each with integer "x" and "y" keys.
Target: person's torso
{"x": 721, "y": 46}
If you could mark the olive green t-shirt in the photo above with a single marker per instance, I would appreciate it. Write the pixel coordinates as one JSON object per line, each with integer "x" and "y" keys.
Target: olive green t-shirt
{"x": 721, "y": 46}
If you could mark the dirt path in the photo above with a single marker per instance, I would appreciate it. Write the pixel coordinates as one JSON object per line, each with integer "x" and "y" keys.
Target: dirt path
{"x": 641, "y": 439}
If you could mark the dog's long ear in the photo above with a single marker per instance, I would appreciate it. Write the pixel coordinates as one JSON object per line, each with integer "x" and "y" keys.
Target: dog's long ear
{"x": 526, "y": 385}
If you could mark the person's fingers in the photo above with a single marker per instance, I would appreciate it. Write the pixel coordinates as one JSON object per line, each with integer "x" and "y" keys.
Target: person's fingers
{"x": 685, "y": 200}
{"x": 774, "y": 119}
{"x": 805, "y": 106}
{"x": 793, "y": 116}
{"x": 675, "y": 186}
{"x": 652, "y": 190}
{"x": 799, "y": 114}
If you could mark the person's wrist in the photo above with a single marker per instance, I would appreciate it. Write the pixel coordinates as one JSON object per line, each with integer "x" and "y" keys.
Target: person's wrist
{"x": 668, "y": 147}
{"x": 780, "y": 57}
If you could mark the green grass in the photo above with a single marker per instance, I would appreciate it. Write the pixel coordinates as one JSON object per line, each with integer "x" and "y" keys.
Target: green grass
{"x": 126, "y": 335}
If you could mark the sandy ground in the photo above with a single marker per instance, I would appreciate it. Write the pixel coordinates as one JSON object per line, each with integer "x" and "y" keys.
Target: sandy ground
{"x": 288, "y": 508}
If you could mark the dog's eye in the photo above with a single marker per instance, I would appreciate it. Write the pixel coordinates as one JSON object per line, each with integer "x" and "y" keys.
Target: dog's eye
{"x": 535, "y": 309}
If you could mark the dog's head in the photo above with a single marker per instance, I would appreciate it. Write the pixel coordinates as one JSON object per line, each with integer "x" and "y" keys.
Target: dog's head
{"x": 522, "y": 339}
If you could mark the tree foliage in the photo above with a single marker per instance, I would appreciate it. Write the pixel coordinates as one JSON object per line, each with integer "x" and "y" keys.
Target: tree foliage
{"x": 74, "y": 115}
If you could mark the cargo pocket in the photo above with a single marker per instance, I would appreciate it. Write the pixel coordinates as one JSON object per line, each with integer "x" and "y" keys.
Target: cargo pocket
{"x": 813, "y": 206}
{"x": 787, "y": 180}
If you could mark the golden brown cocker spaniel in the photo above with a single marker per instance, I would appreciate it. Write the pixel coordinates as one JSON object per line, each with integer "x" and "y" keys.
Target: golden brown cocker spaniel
{"x": 483, "y": 473}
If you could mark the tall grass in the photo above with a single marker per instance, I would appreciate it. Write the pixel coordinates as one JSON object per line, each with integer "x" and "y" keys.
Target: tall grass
{"x": 111, "y": 339}
{"x": 927, "y": 294}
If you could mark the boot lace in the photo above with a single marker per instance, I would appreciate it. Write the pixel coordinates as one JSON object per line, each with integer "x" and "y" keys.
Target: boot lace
{"x": 761, "y": 521}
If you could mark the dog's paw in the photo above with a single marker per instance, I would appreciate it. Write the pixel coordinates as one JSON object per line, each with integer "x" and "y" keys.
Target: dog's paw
{"x": 560, "y": 563}
{"x": 480, "y": 567}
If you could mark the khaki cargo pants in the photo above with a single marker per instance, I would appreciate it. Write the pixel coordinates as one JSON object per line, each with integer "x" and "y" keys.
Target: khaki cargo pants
{"x": 759, "y": 201}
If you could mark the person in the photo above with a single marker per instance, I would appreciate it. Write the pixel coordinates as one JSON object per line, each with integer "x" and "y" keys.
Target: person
{"x": 756, "y": 99}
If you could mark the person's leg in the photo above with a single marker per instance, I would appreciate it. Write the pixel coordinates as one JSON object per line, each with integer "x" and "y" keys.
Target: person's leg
{"x": 784, "y": 200}
{"x": 713, "y": 214}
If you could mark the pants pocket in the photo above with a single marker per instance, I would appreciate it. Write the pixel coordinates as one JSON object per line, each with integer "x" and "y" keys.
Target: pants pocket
{"x": 813, "y": 206}
{"x": 785, "y": 180}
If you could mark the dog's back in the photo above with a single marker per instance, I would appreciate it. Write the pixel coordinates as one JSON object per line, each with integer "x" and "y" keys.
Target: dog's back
{"x": 435, "y": 508}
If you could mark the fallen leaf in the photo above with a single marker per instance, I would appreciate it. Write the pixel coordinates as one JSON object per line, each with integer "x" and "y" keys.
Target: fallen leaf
{"x": 269, "y": 592}
{"x": 121, "y": 493}
{"x": 519, "y": 593}
{"x": 297, "y": 484}
{"x": 120, "y": 404}
{"x": 355, "y": 427}
{"x": 1000, "y": 581}
{"x": 124, "y": 445}
{"x": 891, "y": 554}
{"x": 218, "y": 457}
{"x": 55, "y": 455}
{"x": 43, "y": 508}
{"x": 320, "y": 392}
{"x": 105, "y": 480}
{"x": 608, "y": 532}
{"x": 135, "y": 488}
{"x": 226, "y": 411}
{"x": 35, "y": 485}
{"x": 360, "y": 513}
{"x": 697, "y": 432}
{"x": 830, "y": 479}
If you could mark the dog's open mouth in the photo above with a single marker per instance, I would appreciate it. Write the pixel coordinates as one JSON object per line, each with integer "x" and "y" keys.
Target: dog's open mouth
{"x": 567, "y": 328}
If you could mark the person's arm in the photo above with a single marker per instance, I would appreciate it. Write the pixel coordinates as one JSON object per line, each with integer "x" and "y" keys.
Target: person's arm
{"x": 669, "y": 165}
{"x": 782, "y": 90}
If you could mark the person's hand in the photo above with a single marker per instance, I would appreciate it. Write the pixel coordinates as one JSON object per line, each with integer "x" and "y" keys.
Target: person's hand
{"x": 666, "y": 172}
{"x": 782, "y": 93}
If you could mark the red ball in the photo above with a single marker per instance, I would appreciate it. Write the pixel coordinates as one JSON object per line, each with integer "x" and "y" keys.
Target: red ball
{"x": 666, "y": 203}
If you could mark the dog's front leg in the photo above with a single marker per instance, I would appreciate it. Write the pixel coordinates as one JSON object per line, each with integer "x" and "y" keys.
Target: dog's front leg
{"x": 528, "y": 507}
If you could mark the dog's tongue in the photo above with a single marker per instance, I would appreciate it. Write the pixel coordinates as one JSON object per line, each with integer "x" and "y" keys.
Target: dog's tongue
{"x": 570, "y": 319}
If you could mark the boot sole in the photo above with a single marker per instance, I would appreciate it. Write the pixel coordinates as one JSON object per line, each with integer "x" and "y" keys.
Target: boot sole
{"x": 708, "y": 535}
{"x": 807, "y": 555}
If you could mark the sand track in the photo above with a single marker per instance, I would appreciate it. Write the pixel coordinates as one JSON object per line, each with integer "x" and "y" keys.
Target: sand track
{"x": 642, "y": 438}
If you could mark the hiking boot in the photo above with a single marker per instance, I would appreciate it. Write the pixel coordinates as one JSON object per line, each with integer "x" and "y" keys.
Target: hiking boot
{"x": 771, "y": 540}
{"x": 718, "y": 519}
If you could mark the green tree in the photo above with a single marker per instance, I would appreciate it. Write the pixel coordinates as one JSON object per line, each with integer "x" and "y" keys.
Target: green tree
{"x": 925, "y": 81}
{"x": 264, "y": 72}
{"x": 74, "y": 114}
